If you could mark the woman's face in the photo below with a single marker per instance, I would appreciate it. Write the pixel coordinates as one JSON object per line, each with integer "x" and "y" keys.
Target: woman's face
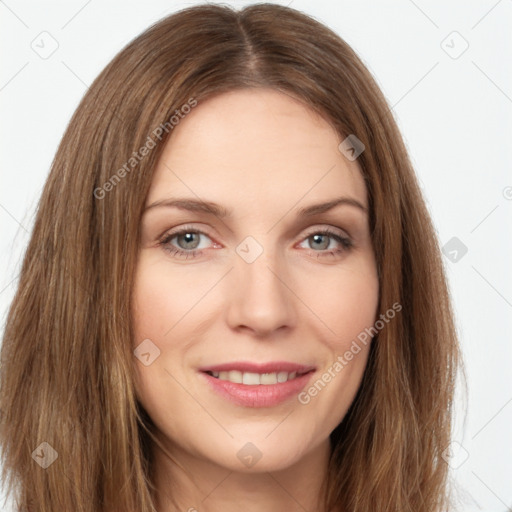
{"x": 260, "y": 284}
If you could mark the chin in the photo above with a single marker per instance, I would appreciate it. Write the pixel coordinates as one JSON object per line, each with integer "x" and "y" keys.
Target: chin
{"x": 259, "y": 456}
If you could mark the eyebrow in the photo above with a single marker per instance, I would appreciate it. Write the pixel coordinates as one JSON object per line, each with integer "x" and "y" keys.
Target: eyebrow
{"x": 194, "y": 205}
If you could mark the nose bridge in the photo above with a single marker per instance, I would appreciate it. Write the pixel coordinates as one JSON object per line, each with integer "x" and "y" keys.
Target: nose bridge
{"x": 260, "y": 300}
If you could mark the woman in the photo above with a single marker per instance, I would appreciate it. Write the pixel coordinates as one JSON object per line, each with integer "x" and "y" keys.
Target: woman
{"x": 178, "y": 339}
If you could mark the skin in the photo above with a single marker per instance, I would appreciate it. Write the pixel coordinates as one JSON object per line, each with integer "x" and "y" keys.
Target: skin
{"x": 263, "y": 155}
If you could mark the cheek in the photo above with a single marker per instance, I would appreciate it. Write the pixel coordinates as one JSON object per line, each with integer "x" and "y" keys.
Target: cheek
{"x": 154, "y": 313}
{"x": 161, "y": 298}
{"x": 352, "y": 307}
{"x": 345, "y": 301}
{"x": 348, "y": 307}
{"x": 345, "y": 304}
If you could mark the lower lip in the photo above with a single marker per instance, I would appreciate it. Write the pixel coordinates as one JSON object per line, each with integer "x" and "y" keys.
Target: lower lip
{"x": 259, "y": 395}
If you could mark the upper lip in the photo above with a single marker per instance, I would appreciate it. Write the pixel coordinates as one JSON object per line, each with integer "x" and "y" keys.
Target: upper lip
{"x": 270, "y": 367}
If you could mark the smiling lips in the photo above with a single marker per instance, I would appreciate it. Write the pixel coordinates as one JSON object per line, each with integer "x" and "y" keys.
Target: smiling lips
{"x": 252, "y": 374}
{"x": 258, "y": 385}
{"x": 253, "y": 379}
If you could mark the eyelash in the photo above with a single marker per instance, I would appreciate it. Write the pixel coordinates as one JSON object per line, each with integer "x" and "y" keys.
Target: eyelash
{"x": 346, "y": 243}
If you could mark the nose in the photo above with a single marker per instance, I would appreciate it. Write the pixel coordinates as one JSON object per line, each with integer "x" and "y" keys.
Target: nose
{"x": 262, "y": 299}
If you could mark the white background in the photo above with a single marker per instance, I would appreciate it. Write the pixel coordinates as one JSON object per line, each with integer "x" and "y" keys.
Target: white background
{"x": 455, "y": 115}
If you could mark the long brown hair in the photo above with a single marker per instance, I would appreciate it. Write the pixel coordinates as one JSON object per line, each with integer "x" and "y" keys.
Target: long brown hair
{"x": 67, "y": 358}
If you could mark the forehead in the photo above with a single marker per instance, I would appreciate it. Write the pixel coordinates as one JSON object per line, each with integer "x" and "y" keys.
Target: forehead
{"x": 255, "y": 147}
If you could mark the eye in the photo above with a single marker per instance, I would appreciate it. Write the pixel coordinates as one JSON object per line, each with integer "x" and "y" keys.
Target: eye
{"x": 322, "y": 240}
{"x": 188, "y": 241}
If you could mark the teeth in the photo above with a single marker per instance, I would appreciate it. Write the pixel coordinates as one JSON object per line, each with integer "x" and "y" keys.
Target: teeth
{"x": 268, "y": 378}
{"x": 282, "y": 376}
{"x": 234, "y": 376}
{"x": 253, "y": 379}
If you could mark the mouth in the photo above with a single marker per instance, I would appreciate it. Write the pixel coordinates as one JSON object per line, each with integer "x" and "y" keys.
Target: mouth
{"x": 265, "y": 385}
{"x": 255, "y": 379}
